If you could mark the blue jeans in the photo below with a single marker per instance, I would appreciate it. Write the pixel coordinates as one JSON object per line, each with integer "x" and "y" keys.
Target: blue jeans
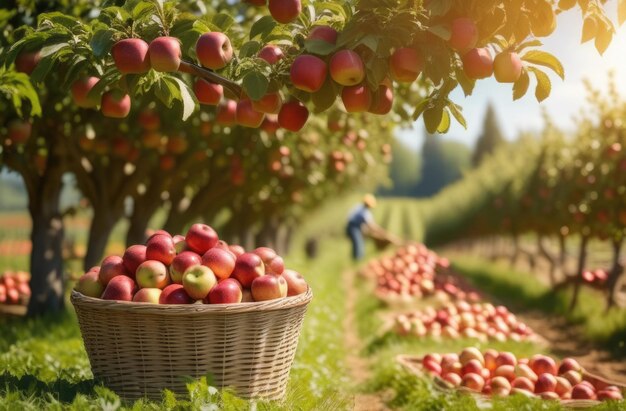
{"x": 358, "y": 244}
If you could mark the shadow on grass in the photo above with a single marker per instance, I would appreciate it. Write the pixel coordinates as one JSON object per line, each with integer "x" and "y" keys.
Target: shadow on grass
{"x": 47, "y": 326}
{"x": 62, "y": 390}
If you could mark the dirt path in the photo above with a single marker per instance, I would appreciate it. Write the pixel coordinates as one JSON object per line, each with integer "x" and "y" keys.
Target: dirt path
{"x": 357, "y": 365}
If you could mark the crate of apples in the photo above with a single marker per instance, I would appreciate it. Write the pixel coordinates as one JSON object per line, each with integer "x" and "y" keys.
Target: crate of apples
{"x": 195, "y": 268}
{"x": 414, "y": 273}
{"x": 492, "y": 373}
{"x": 460, "y": 319}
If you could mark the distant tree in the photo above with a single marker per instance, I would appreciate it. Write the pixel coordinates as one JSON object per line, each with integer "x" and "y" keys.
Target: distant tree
{"x": 443, "y": 163}
{"x": 490, "y": 138}
{"x": 403, "y": 171}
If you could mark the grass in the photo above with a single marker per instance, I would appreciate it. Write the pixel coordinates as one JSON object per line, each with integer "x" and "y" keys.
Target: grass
{"x": 45, "y": 365}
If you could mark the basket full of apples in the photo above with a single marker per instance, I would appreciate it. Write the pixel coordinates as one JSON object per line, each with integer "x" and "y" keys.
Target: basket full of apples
{"x": 192, "y": 306}
{"x": 14, "y": 293}
{"x": 492, "y": 373}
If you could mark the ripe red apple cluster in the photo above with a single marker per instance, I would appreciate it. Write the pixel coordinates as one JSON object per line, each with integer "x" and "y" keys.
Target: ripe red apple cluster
{"x": 414, "y": 272}
{"x": 14, "y": 288}
{"x": 198, "y": 267}
{"x": 477, "y": 61}
{"x": 18, "y": 131}
{"x": 482, "y": 321}
{"x": 595, "y": 278}
{"x": 494, "y": 373}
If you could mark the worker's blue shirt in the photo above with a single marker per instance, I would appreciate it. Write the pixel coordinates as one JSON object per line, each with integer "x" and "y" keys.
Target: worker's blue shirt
{"x": 360, "y": 215}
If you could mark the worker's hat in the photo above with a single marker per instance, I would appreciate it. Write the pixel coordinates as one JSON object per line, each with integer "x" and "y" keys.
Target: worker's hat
{"x": 369, "y": 200}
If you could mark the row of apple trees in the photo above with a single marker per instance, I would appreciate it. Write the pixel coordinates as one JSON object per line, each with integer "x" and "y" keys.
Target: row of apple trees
{"x": 203, "y": 104}
{"x": 559, "y": 186}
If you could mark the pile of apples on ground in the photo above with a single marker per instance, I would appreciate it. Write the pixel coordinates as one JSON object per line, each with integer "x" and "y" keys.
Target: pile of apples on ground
{"x": 196, "y": 268}
{"x": 14, "y": 288}
{"x": 414, "y": 272}
{"x": 460, "y": 319}
{"x": 502, "y": 374}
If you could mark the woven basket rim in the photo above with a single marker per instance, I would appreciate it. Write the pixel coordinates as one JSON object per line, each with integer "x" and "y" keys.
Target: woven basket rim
{"x": 82, "y": 300}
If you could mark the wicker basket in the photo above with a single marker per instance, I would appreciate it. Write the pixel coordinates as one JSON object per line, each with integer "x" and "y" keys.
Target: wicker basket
{"x": 413, "y": 364}
{"x": 139, "y": 349}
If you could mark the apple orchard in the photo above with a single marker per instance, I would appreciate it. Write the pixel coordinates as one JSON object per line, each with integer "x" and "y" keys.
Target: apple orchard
{"x": 263, "y": 109}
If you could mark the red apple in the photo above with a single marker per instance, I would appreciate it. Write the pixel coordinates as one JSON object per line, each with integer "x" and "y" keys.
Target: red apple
{"x": 269, "y": 103}
{"x": 226, "y": 114}
{"x": 474, "y": 382}
{"x": 247, "y": 116}
{"x": 308, "y": 73}
{"x": 236, "y": 249}
{"x": 507, "y": 67}
{"x": 248, "y": 267}
{"x": 208, "y": 93}
{"x": 112, "y": 266}
{"x": 382, "y": 101}
{"x": 27, "y": 61}
{"x": 500, "y": 383}
{"x": 115, "y": 105}
{"x": 174, "y": 294}
{"x": 214, "y": 50}
{"x": 181, "y": 263}
{"x": 405, "y": 65}
{"x": 523, "y": 370}
{"x": 610, "y": 395}
{"x": 472, "y": 366}
{"x": 506, "y": 358}
{"x": 198, "y": 280}
{"x": 273, "y": 262}
{"x": 120, "y": 288}
{"x": 271, "y": 53}
{"x": 452, "y": 378}
{"x": 161, "y": 248}
{"x": 269, "y": 287}
{"x": 227, "y": 291}
{"x": 464, "y": 34}
{"x": 563, "y": 386}
{"x": 574, "y": 377}
{"x": 165, "y": 54}
{"x": 346, "y": 68}
{"x": 220, "y": 260}
{"x": 507, "y": 371}
{"x": 522, "y": 383}
{"x": 152, "y": 274}
{"x": 471, "y": 353}
{"x": 149, "y": 120}
{"x": 545, "y": 382}
{"x": 490, "y": 356}
{"x": 478, "y": 63}
{"x": 296, "y": 284}
{"x": 131, "y": 56}
{"x": 19, "y": 131}
{"x": 583, "y": 392}
{"x": 293, "y": 115}
{"x": 148, "y": 295}
{"x": 356, "y": 99}
{"x": 569, "y": 364}
{"x": 325, "y": 33}
{"x": 432, "y": 367}
{"x": 541, "y": 364}
{"x": 201, "y": 238}
{"x": 285, "y": 11}
{"x": 80, "y": 90}
{"x": 133, "y": 257}
{"x": 89, "y": 284}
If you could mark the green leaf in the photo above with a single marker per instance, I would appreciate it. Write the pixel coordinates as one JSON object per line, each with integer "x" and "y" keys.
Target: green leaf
{"x": 419, "y": 108}
{"x": 544, "y": 85}
{"x": 187, "y": 98}
{"x": 456, "y": 111}
{"x": 102, "y": 42}
{"x": 603, "y": 39}
{"x": 521, "y": 85}
{"x": 433, "y": 117}
{"x": 223, "y": 21}
{"x": 324, "y": 98}
{"x": 255, "y": 84}
{"x": 545, "y": 59}
{"x": 590, "y": 29}
{"x": 249, "y": 49}
{"x": 444, "y": 126}
{"x": 319, "y": 47}
{"x": 439, "y": 7}
{"x": 442, "y": 32}
{"x": 262, "y": 27}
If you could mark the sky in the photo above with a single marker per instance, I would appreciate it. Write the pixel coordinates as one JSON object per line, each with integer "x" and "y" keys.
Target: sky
{"x": 567, "y": 98}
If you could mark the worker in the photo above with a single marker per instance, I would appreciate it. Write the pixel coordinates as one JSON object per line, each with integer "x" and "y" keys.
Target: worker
{"x": 360, "y": 218}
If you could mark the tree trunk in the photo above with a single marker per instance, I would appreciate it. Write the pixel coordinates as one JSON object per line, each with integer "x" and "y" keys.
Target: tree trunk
{"x": 515, "y": 254}
{"x": 138, "y": 224}
{"x": 582, "y": 260}
{"x": 546, "y": 254}
{"x": 99, "y": 232}
{"x": 563, "y": 253}
{"x": 616, "y": 271}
